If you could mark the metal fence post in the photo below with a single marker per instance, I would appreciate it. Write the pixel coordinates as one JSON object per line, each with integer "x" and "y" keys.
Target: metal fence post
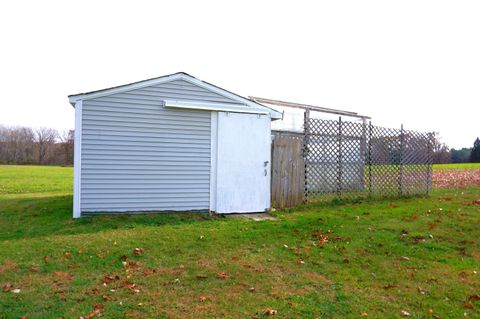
{"x": 339, "y": 160}
{"x": 400, "y": 180}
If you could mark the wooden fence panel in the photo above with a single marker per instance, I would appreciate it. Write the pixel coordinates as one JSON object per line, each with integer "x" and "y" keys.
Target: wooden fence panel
{"x": 288, "y": 170}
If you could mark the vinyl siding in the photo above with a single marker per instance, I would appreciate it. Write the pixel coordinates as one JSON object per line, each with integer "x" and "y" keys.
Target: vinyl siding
{"x": 139, "y": 156}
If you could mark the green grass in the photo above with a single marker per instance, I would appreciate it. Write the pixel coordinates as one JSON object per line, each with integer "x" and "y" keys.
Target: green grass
{"x": 17, "y": 179}
{"x": 421, "y": 255}
{"x": 462, "y": 166}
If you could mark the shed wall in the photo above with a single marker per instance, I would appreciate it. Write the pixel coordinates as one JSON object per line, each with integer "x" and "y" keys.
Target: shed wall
{"x": 139, "y": 156}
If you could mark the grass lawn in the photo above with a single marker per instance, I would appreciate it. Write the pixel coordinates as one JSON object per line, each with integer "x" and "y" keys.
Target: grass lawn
{"x": 374, "y": 259}
{"x": 461, "y": 166}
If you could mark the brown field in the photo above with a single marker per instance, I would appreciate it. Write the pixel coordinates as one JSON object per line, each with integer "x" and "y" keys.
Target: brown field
{"x": 453, "y": 178}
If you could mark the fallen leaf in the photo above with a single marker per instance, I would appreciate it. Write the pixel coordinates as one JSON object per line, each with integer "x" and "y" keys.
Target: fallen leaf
{"x": 7, "y": 287}
{"x": 201, "y": 276}
{"x": 130, "y": 285}
{"x": 108, "y": 279}
{"x": 67, "y": 255}
{"x": 421, "y": 290}
{"x": 97, "y": 309}
{"x": 364, "y": 314}
{"x": 269, "y": 312}
{"x": 16, "y": 291}
{"x": 468, "y": 305}
{"x": 405, "y": 313}
{"x": 474, "y": 298}
{"x": 222, "y": 275}
{"x": 138, "y": 251}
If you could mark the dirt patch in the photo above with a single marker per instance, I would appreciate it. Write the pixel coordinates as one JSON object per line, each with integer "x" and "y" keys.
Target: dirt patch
{"x": 456, "y": 178}
{"x": 8, "y": 265}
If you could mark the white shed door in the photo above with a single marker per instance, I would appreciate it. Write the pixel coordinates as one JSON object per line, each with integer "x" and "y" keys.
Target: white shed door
{"x": 243, "y": 163}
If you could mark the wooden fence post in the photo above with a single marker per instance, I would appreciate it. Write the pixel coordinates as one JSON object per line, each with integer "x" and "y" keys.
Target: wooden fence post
{"x": 400, "y": 180}
{"x": 306, "y": 133}
{"x": 340, "y": 159}
{"x": 370, "y": 180}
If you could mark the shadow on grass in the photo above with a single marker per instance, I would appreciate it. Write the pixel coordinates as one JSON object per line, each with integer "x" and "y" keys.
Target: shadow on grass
{"x": 28, "y": 217}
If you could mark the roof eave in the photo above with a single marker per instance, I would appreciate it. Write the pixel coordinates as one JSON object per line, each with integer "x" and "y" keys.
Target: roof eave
{"x": 274, "y": 114}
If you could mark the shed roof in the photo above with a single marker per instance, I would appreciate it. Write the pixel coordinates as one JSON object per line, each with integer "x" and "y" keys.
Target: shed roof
{"x": 244, "y": 104}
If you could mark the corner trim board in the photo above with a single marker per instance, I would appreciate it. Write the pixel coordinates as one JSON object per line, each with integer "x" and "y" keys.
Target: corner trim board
{"x": 213, "y": 160}
{"x": 77, "y": 161}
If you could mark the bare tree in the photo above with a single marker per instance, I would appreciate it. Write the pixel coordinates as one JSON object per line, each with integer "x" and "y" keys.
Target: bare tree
{"x": 67, "y": 139}
{"x": 45, "y": 139}
{"x": 23, "y": 145}
{"x": 441, "y": 152}
{"x": 16, "y": 145}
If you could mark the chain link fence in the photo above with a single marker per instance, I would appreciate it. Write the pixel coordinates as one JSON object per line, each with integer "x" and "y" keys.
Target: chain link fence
{"x": 352, "y": 160}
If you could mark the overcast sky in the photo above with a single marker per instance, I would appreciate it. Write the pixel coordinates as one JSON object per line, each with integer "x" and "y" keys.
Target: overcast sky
{"x": 410, "y": 62}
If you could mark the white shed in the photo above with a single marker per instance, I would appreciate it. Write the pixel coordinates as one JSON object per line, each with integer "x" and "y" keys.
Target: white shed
{"x": 172, "y": 143}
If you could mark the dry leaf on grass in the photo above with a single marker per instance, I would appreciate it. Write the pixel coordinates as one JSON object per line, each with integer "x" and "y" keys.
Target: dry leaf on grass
{"x": 269, "y": 312}
{"x": 222, "y": 275}
{"x": 468, "y": 305}
{"x": 108, "y": 279}
{"x": 7, "y": 287}
{"x": 97, "y": 309}
{"x": 138, "y": 251}
{"x": 405, "y": 313}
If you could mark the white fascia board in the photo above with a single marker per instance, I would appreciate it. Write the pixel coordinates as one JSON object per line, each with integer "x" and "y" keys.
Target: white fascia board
{"x": 274, "y": 114}
{"x": 206, "y": 106}
{"x": 123, "y": 88}
{"x": 179, "y": 76}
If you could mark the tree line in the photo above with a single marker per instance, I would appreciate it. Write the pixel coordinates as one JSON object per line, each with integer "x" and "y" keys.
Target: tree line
{"x": 40, "y": 146}
{"x": 47, "y": 146}
{"x": 442, "y": 154}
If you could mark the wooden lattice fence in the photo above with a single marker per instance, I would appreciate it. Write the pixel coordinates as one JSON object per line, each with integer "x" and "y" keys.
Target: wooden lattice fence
{"x": 340, "y": 159}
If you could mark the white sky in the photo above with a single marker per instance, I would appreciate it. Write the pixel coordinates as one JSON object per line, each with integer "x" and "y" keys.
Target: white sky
{"x": 410, "y": 62}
